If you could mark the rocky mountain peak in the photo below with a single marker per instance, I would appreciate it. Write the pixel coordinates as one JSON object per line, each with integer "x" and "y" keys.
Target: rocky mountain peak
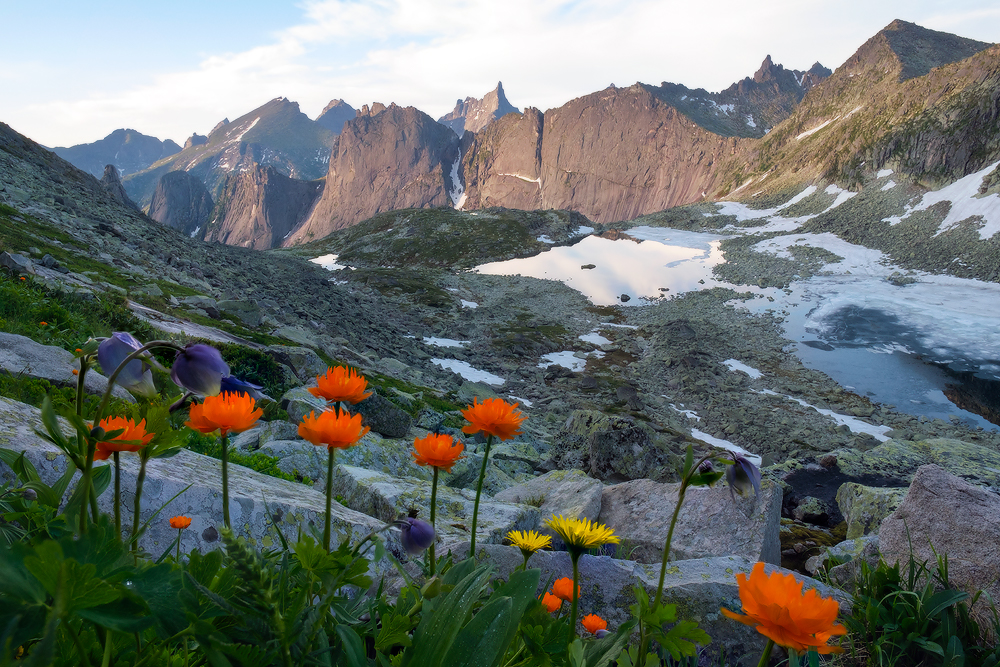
{"x": 472, "y": 114}
{"x": 196, "y": 140}
{"x": 130, "y": 151}
{"x": 335, "y": 114}
{"x": 221, "y": 124}
{"x": 112, "y": 184}
{"x": 766, "y": 71}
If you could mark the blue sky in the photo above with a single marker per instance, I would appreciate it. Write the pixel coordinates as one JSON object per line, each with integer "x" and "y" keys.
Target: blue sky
{"x": 72, "y": 72}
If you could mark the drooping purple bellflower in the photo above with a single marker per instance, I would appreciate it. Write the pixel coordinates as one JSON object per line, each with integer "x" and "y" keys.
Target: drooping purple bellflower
{"x": 199, "y": 368}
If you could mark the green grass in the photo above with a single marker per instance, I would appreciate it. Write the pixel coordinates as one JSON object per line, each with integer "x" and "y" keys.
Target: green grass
{"x": 209, "y": 445}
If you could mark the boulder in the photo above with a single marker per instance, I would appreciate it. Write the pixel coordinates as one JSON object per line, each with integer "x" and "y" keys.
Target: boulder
{"x": 382, "y": 416}
{"x": 897, "y": 460}
{"x": 614, "y": 448}
{"x": 293, "y": 507}
{"x": 247, "y": 312}
{"x": 304, "y": 362}
{"x": 710, "y": 522}
{"x": 298, "y": 402}
{"x": 569, "y": 493}
{"x": 278, "y": 429}
{"x": 386, "y": 497}
{"x": 864, "y": 507}
{"x": 16, "y": 263}
{"x": 698, "y": 587}
{"x": 470, "y": 391}
{"x": 19, "y": 355}
{"x": 500, "y": 475}
{"x": 943, "y": 514}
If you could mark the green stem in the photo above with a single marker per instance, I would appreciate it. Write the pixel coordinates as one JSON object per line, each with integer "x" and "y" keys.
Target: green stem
{"x": 225, "y": 480}
{"x": 118, "y": 496}
{"x": 179, "y": 531}
{"x": 329, "y": 496}
{"x": 479, "y": 491}
{"x": 765, "y": 657}
{"x": 107, "y": 650}
{"x": 434, "y": 491}
{"x": 666, "y": 545}
{"x": 573, "y": 605}
{"x": 138, "y": 502}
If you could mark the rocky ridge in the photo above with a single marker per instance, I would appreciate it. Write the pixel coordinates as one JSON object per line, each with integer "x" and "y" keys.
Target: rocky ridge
{"x": 472, "y": 114}
{"x": 128, "y": 150}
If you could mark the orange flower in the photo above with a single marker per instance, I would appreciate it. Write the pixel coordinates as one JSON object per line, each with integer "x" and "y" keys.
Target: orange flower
{"x": 593, "y": 623}
{"x": 182, "y": 522}
{"x": 436, "y": 450}
{"x": 229, "y": 412}
{"x": 43, "y": 323}
{"x": 551, "y": 602}
{"x": 493, "y": 416}
{"x": 341, "y": 384}
{"x": 776, "y": 605}
{"x": 132, "y": 432}
{"x": 332, "y": 429}
{"x": 76, "y": 372}
{"x": 563, "y": 589}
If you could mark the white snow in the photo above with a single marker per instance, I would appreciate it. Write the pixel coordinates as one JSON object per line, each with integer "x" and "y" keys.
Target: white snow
{"x": 690, "y": 414}
{"x": 620, "y": 326}
{"x": 595, "y": 338}
{"x": 457, "y": 192}
{"x": 816, "y": 129}
{"x": 725, "y": 444}
{"x": 196, "y": 230}
{"x": 240, "y": 135}
{"x": 750, "y": 121}
{"x": 735, "y": 365}
{"x": 544, "y": 238}
{"x": 469, "y": 304}
{"x": 842, "y": 195}
{"x": 525, "y": 178}
{"x": 327, "y": 262}
{"x": 565, "y": 359}
{"x": 856, "y": 425}
{"x": 889, "y": 185}
{"x": 883, "y": 173}
{"x": 445, "y": 342}
{"x": 965, "y": 203}
{"x": 523, "y": 401}
{"x": 466, "y": 370}
{"x": 583, "y": 229}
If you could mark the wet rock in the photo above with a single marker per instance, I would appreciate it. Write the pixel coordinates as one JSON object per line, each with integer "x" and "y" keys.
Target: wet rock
{"x": 864, "y": 507}
{"x": 710, "y": 522}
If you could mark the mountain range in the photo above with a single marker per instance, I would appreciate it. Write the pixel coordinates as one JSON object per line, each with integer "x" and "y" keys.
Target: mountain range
{"x": 919, "y": 101}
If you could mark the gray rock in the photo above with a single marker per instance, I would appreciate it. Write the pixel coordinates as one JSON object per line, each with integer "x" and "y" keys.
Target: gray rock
{"x": 710, "y": 523}
{"x": 247, "y": 312}
{"x": 277, "y": 430}
{"x": 943, "y": 514}
{"x": 21, "y": 355}
{"x": 810, "y": 510}
{"x": 293, "y": 506}
{"x": 304, "y": 362}
{"x": 16, "y": 263}
{"x": 382, "y": 416}
{"x": 841, "y": 554}
{"x": 298, "y": 402}
{"x": 569, "y": 493}
{"x": 386, "y": 498}
{"x": 465, "y": 474}
{"x": 472, "y": 390}
{"x": 248, "y": 440}
{"x": 198, "y": 301}
{"x": 864, "y": 507}
{"x": 616, "y": 448}
{"x": 898, "y": 460}
{"x": 698, "y": 588}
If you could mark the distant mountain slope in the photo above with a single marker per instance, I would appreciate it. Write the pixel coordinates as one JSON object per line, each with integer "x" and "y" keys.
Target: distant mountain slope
{"x": 472, "y": 115}
{"x": 335, "y": 114}
{"x": 277, "y": 134}
{"x": 128, "y": 150}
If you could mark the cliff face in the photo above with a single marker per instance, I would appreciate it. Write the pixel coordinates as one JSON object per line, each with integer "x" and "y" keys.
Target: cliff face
{"x": 181, "y": 201}
{"x": 472, "y": 115}
{"x": 386, "y": 158}
{"x": 612, "y": 155}
{"x": 335, "y": 114}
{"x": 258, "y": 207}
{"x": 114, "y": 187}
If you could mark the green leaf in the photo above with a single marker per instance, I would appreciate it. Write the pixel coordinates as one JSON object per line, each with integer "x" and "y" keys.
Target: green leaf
{"x": 395, "y": 631}
{"x": 485, "y": 639}
{"x": 354, "y": 648}
{"x": 50, "y": 421}
{"x": 122, "y": 616}
{"x": 21, "y": 466}
{"x": 941, "y": 601}
{"x": 100, "y": 477}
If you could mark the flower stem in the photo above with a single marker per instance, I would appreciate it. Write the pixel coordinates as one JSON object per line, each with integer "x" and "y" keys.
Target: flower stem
{"x": 225, "y": 481}
{"x": 118, "y": 496}
{"x": 765, "y": 657}
{"x": 329, "y": 496}
{"x": 138, "y": 499}
{"x": 434, "y": 491}
{"x": 576, "y": 595}
{"x": 479, "y": 491}
{"x": 666, "y": 545}
{"x": 179, "y": 531}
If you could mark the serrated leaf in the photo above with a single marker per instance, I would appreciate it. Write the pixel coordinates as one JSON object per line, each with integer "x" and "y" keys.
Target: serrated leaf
{"x": 395, "y": 631}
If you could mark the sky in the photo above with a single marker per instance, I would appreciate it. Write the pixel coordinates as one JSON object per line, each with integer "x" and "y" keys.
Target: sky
{"x": 72, "y": 72}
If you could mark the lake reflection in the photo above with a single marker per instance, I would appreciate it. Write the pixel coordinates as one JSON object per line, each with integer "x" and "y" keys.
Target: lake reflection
{"x": 659, "y": 262}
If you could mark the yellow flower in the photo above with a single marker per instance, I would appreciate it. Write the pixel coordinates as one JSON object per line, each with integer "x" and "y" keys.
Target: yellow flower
{"x": 336, "y": 431}
{"x": 529, "y": 541}
{"x": 776, "y": 605}
{"x": 494, "y": 416}
{"x": 228, "y": 412}
{"x": 438, "y": 450}
{"x": 133, "y": 432}
{"x": 341, "y": 384}
{"x": 580, "y": 534}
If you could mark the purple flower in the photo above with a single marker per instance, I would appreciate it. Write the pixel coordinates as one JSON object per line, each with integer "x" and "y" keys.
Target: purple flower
{"x": 743, "y": 476}
{"x": 136, "y": 376}
{"x": 417, "y": 535}
{"x": 233, "y": 384}
{"x": 199, "y": 368}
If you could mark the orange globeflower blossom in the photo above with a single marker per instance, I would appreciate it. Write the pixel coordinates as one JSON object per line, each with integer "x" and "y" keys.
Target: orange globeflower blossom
{"x": 336, "y": 431}
{"x": 593, "y": 623}
{"x": 180, "y": 522}
{"x": 228, "y": 412}
{"x": 563, "y": 589}
{"x": 551, "y": 602}
{"x": 494, "y": 416}
{"x": 776, "y": 605}
{"x": 132, "y": 432}
{"x": 341, "y": 384}
{"x": 440, "y": 451}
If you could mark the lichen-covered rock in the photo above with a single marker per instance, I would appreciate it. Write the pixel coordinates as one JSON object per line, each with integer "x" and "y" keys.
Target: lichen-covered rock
{"x": 304, "y": 362}
{"x": 500, "y": 475}
{"x": 382, "y": 416}
{"x": 898, "y": 460}
{"x": 943, "y": 514}
{"x": 864, "y": 507}
{"x": 570, "y": 493}
{"x": 387, "y": 498}
{"x": 698, "y": 587}
{"x": 298, "y": 403}
{"x": 840, "y": 554}
{"x": 710, "y": 523}
{"x": 612, "y": 447}
{"x": 811, "y": 510}
{"x": 277, "y": 430}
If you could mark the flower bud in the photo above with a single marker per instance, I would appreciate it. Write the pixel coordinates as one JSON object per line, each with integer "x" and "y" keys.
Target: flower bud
{"x": 431, "y": 589}
{"x": 233, "y": 384}
{"x": 98, "y": 433}
{"x": 743, "y": 476}
{"x": 29, "y": 494}
{"x": 417, "y": 535}
{"x": 136, "y": 376}
{"x": 199, "y": 368}
{"x": 602, "y": 633}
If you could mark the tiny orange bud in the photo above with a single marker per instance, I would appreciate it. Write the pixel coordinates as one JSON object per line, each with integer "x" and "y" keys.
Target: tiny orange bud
{"x": 43, "y": 323}
{"x": 76, "y": 372}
